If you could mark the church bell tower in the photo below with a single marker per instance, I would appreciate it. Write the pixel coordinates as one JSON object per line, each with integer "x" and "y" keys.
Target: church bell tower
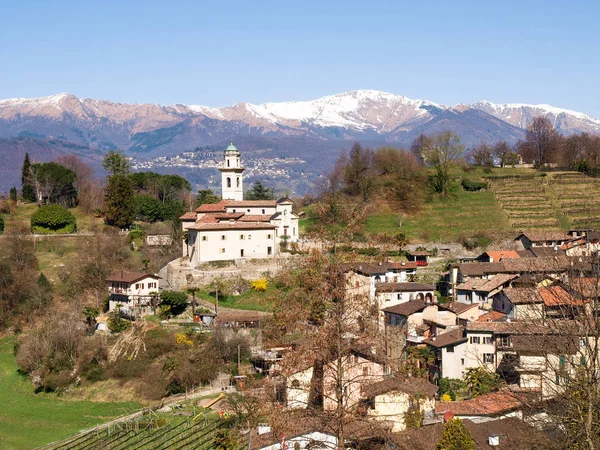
{"x": 232, "y": 186}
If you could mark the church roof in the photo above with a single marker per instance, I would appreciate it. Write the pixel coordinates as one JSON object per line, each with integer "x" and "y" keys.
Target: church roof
{"x": 231, "y": 148}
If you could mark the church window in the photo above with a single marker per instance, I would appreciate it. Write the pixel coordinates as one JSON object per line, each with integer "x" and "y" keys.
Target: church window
{"x": 238, "y": 181}
{"x": 205, "y": 238}
{"x": 241, "y": 237}
{"x": 228, "y": 182}
{"x": 227, "y": 163}
{"x": 223, "y": 237}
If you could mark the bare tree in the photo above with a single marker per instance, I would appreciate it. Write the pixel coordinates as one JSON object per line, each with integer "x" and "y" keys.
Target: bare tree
{"x": 541, "y": 141}
{"x": 501, "y": 150}
{"x": 481, "y": 155}
{"x": 441, "y": 151}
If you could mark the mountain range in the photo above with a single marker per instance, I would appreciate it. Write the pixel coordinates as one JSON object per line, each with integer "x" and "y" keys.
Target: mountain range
{"x": 313, "y": 130}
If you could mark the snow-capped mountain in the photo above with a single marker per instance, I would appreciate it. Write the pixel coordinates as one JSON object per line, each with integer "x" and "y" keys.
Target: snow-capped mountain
{"x": 521, "y": 115}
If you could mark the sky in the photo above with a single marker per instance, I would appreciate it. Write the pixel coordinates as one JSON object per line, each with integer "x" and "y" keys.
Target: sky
{"x": 217, "y": 53}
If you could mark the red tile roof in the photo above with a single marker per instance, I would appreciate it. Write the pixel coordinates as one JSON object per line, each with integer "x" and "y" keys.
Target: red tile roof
{"x": 492, "y": 316}
{"x": 129, "y": 277}
{"x": 202, "y": 226}
{"x": 212, "y": 207}
{"x": 190, "y": 215}
{"x": 486, "y": 405}
{"x": 497, "y": 255}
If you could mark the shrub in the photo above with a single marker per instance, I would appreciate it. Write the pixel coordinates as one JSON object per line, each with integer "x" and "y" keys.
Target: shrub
{"x": 53, "y": 219}
{"x": 455, "y": 437}
{"x": 174, "y": 299}
{"x": 116, "y": 323}
{"x": 259, "y": 285}
{"x": 471, "y": 186}
{"x": 446, "y": 397}
{"x": 1, "y": 225}
{"x": 135, "y": 234}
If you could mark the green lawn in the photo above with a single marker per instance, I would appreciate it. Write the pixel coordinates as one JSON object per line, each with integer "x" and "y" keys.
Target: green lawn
{"x": 29, "y": 420}
{"x": 250, "y": 300}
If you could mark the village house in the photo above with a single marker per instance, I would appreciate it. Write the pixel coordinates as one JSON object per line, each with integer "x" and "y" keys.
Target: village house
{"x": 481, "y": 291}
{"x": 449, "y": 350}
{"x": 368, "y": 275}
{"x": 132, "y": 292}
{"x": 391, "y": 399}
{"x": 235, "y": 228}
{"x": 392, "y": 294}
{"x": 421, "y": 257}
{"x": 485, "y": 408}
{"x": 360, "y": 367}
{"x": 529, "y": 239}
{"x": 497, "y": 255}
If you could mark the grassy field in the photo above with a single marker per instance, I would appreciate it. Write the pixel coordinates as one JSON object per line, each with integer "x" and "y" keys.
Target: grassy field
{"x": 251, "y": 300}
{"x": 28, "y": 420}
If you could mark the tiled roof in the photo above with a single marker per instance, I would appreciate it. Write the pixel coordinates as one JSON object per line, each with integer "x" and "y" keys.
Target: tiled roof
{"x": 129, "y": 277}
{"x": 412, "y": 386}
{"x": 558, "y": 296}
{"x": 404, "y": 287}
{"x": 479, "y": 268}
{"x": 212, "y": 207}
{"x": 255, "y": 218}
{"x": 238, "y": 225}
{"x": 452, "y": 337}
{"x": 418, "y": 253}
{"x": 514, "y": 434}
{"x": 407, "y": 308}
{"x": 543, "y": 343}
{"x": 492, "y": 316}
{"x": 484, "y": 405}
{"x": 486, "y": 285}
{"x": 543, "y": 236}
{"x": 497, "y": 255}
{"x": 513, "y": 327}
{"x": 250, "y": 203}
{"x": 190, "y": 215}
{"x": 458, "y": 307}
{"x": 523, "y": 295}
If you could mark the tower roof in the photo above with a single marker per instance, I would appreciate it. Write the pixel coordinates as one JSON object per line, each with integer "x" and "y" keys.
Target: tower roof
{"x": 232, "y": 148}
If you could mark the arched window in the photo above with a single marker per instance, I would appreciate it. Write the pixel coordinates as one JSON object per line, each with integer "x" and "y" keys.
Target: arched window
{"x": 228, "y": 182}
{"x": 428, "y": 298}
{"x": 238, "y": 181}
{"x": 420, "y": 296}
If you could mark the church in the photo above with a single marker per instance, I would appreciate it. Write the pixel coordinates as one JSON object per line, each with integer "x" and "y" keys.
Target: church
{"x": 236, "y": 228}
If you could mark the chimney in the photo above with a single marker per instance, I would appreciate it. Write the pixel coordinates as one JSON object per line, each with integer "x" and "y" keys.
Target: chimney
{"x": 494, "y": 440}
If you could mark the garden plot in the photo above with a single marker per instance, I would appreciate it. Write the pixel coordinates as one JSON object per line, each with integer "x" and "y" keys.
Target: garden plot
{"x": 577, "y": 197}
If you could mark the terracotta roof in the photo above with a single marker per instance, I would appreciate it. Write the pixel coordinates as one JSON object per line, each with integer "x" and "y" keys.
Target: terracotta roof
{"x": 284, "y": 200}
{"x": 543, "y": 236}
{"x": 249, "y": 203}
{"x": 458, "y": 307}
{"x": 407, "y": 308}
{"x": 486, "y": 285}
{"x": 190, "y": 215}
{"x": 514, "y": 434}
{"x": 558, "y": 296}
{"x": 212, "y": 207}
{"x": 418, "y": 253}
{"x": 129, "y": 277}
{"x": 497, "y": 255}
{"x": 513, "y": 327}
{"x": 492, "y": 316}
{"x": 545, "y": 252}
{"x": 452, "y": 337}
{"x": 255, "y": 218}
{"x": 229, "y": 216}
{"x": 404, "y": 287}
{"x": 231, "y": 226}
{"x": 587, "y": 287}
{"x": 406, "y": 385}
{"x": 485, "y": 405}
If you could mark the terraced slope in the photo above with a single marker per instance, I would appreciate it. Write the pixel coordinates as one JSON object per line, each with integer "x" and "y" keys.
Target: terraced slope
{"x": 555, "y": 201}
{"x": 147, "y": 435}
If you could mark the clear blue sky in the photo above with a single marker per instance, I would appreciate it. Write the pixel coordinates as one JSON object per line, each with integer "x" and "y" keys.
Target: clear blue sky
{"x": 217, "y": 53}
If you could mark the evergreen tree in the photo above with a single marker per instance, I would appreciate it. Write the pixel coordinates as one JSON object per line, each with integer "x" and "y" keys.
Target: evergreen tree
{"x": 13, "y": 194}
{"x": 206, "y": 196}
{"x": 116, "y": 163}
{"x": 260, "y": 192}
{"x": 119, "y": 201}
{"x": 27, "y": 191}
{"x": 455, "y": 437}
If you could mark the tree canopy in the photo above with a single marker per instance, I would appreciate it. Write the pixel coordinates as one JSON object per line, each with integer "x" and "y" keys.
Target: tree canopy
{"x": 258, "y": 191}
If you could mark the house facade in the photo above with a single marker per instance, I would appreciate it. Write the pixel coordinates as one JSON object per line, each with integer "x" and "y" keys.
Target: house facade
{"x": 235, "y": 228}
{"x": 133, "y": 291}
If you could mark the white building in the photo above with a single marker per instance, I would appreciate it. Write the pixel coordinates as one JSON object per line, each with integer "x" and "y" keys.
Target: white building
{"x": 236, "y": 228}
{"x": 134, "y": 291}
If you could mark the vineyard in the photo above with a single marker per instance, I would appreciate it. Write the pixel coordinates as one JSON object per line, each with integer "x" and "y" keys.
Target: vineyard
{"x": 156, "y": 432}
{"x": 548, "y": 201}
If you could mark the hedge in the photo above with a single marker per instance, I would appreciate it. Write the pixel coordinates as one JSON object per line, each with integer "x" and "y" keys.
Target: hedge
{"x": 53, "y": 219}
{"x": 469, "y": 185}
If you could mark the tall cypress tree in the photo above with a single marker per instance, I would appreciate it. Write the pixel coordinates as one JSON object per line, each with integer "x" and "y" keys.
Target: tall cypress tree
{"x": 27, "y": 191}
{"x": 119, "y": 200}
